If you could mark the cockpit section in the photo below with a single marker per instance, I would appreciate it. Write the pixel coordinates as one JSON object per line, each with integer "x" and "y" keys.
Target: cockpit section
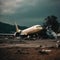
{"x": 39, "y": 27}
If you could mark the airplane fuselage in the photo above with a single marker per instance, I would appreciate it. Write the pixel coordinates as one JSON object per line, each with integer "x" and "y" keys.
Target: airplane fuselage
{"x": 31, "y": 30}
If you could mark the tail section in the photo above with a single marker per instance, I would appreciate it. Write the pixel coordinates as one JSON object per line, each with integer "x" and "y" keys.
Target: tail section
{"x": 17, "y": 29}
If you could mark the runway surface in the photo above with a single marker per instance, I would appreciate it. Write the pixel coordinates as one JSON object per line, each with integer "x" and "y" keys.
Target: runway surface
{"x": 29, "y": 43}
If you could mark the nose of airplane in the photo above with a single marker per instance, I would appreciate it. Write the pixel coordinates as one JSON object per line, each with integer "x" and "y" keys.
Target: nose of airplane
{"x": 39, "y": 27}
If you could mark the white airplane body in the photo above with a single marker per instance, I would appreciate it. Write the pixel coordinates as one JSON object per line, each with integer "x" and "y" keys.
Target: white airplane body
{"x": 30, "y": 30}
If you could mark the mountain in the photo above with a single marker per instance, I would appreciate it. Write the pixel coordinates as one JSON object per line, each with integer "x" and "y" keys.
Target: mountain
{"x": 8, "y": 28}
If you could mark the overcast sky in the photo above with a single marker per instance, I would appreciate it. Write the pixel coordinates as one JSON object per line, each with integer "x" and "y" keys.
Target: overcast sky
{"x": 28, "y": 12}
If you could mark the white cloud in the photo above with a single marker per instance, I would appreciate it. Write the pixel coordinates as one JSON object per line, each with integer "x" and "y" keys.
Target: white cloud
{"x": 10, "y": 6}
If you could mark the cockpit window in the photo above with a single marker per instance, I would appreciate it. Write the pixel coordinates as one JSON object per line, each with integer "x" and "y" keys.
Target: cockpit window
{"x": 38, "y": 26}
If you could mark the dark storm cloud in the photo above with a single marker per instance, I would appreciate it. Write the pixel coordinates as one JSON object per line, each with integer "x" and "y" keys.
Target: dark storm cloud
{"x": 55, "y": 0}
{"x": 28, "y": 12}
{"x": 41, "y": 9}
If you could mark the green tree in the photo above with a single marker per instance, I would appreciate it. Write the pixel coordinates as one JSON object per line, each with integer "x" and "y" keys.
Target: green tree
{"x": 52, "y": 21}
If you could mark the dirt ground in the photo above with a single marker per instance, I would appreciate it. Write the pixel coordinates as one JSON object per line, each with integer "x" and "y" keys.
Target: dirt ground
{"x": 28, "y": 53}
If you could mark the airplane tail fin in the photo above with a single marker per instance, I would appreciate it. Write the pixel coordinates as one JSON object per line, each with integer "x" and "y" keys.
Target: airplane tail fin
{"x": 17, "y": 29}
